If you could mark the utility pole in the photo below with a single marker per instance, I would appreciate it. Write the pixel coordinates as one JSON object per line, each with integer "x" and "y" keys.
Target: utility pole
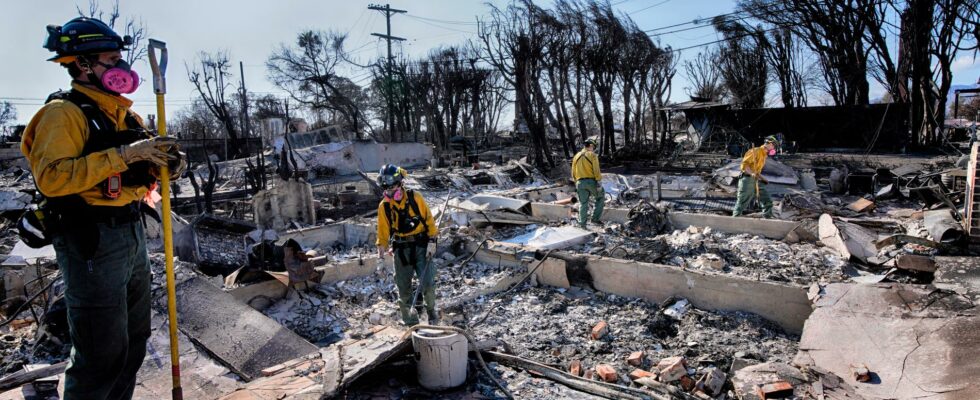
{"x": 388, "y": 12}
{"x": 245, "y": 122}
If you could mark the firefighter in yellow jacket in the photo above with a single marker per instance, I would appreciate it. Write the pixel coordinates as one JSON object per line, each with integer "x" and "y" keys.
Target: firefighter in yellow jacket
{"x": 406, "y": 226}
{"x": 94, "y": 162}
{"x": 588, "y": 183}
{"x": 752, "y": 185}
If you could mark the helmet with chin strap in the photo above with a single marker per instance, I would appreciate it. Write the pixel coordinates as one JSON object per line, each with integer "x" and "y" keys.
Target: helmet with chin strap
{"x": 390, "y": 175}
{"x": 82, "y": 36}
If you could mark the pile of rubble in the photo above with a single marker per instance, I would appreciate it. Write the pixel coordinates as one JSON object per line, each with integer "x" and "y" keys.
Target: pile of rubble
{"x": 327, "y": 313}
{"x": 616, "y": 339}
{"x": 739, "y": 254}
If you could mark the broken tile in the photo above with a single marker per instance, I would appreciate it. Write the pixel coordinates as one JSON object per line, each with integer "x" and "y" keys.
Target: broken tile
{"x": 635, "y": 359}
{"x": 606, "y": 373}
{"x": 775, "y": 390}
{"x": 639, "y": 373}
{"x": 600, "y": 330}
{"x": 860, "y": 372}
{"x": 713, "y": 380}
{"x": 672, "y": 369}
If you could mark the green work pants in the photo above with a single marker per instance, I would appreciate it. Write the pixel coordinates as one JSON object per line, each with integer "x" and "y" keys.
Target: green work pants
{"x": 589, "y": 188}
{"x": 747, "y": 191}
{"x": 410, "y": 261}
{"x": 107, "y": 293}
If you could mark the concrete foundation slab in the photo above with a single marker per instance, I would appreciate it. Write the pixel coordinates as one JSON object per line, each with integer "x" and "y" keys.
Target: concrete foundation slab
{"x": 243, "y": 339}
{"x": 201, "y": 377}
{"x": 325, "y": 375}
{"x": 961, "y": 274}
{"x": 916, "y": 341}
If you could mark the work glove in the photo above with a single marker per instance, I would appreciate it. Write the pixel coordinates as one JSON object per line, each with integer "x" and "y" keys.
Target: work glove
{"x": 430, "y": 250}
{"x": 381, "y": 252}
{"x": 176, "y": 165}
{"x": 155, "y": 150}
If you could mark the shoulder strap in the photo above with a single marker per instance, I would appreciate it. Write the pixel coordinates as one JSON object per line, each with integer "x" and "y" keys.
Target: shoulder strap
{"x": 391, "y": 228}
{"x": 415, "y": 209}
{"x": 96, "y": 118}
{"x": 582, "y": 156}
{"x": 586, "y": 158}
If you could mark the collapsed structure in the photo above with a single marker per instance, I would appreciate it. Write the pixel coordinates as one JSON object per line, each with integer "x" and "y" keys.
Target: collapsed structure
{"x": 862, "y": 287}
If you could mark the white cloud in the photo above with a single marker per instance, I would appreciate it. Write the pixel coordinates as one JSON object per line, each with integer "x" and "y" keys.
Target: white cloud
{"x": 963, "y": 63}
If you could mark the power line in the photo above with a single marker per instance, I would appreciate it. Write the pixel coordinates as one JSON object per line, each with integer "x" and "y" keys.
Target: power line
{"x": 443, "y": 21}
{"x": 778, "y": 27}
{"x": 649, "y": 7}
{"x": 354, "y": 25}
{"x": 703, "y": 22}
{"x": 440, "y": 26}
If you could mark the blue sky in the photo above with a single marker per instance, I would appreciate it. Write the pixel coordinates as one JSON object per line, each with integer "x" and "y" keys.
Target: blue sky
{"x": 249, "y": 29}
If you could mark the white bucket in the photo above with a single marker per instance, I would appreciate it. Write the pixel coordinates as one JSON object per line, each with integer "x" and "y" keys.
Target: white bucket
{"x": 441, "y": 358}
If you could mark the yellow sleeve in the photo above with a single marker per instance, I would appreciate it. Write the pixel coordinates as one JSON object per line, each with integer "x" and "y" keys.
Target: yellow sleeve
{"x": 574, "y": 172}
{"x": 750, "y": 161}
{"x": 430, "y": 222}
{"x": 595, "y": 167}
{"x": 54, "y": 148}
{"x": 383, "y": 227}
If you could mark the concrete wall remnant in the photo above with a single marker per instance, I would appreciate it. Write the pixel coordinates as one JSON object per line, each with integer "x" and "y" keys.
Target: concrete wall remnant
{"x": 346, "y": 158}
{"x": 783, "y": 304}
{"x": 212, "y": 241}
{"x": 287, "y": 202}
{"x": 345, "y": 234}
{"x": 786, "y": 305}
{"x": 768, "y": 228}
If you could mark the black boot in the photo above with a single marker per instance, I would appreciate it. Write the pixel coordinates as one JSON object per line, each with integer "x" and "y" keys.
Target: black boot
{"x": 433, "y": 316}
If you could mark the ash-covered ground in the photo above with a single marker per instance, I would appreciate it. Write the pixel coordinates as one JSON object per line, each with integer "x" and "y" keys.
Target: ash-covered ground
{"x": 548, "y": 325}
{"x": 553, "y": 326}
{"x": 738, "y": 254}
{"x": 327, "y": 313}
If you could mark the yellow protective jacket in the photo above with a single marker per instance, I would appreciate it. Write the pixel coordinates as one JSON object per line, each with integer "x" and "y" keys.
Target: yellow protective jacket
{"x": 754, "y": 160}
{"x": 53, "y": 143}
{"x": 585, "y": 164}
{"x": 385, "y": 226}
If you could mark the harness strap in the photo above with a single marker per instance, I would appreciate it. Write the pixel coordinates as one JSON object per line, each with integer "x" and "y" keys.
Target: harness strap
{"x": 411, "y": 205}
